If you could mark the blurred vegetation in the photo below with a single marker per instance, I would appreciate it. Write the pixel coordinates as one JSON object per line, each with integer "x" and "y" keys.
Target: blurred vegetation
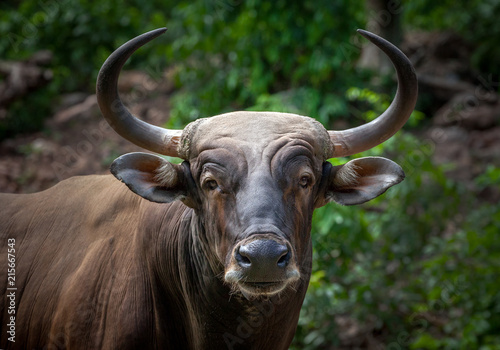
{"x": 417, "y": 268}
{"x": 477, "y": 21}
{"x": 81, "y": 35}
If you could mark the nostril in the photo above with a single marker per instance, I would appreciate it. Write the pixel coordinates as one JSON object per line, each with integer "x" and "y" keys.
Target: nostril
{"x": 284, "y": 259}
{"x": 242, "y": 258}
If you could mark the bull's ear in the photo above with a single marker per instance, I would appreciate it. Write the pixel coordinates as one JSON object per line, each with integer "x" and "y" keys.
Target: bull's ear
{"x": 152, "y": 177}
{"x": 359, "y": 180}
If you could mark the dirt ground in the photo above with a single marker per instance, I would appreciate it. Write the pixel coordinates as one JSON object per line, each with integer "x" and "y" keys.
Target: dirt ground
{"x": 76, "y": 139}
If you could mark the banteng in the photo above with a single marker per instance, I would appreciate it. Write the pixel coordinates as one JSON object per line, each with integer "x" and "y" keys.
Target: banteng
{"x": 213, "y": 253}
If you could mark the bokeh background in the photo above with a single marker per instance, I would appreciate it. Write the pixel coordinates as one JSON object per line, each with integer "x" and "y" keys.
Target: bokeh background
{"x": 417, "y": 268}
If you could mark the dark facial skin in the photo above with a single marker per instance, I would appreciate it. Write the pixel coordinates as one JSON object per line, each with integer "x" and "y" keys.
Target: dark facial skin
{"x": 271, "y": 193}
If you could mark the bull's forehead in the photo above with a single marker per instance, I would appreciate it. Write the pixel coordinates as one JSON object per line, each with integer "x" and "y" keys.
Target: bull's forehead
{"x": 251, "y": 132}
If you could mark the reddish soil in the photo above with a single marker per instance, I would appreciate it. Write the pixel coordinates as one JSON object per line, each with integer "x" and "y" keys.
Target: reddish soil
{"x": 77, "y": 140}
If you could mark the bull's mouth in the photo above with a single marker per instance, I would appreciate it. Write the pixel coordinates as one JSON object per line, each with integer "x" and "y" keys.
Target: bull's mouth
{"x": 263, "y": 284}
{"x": 263, "y": 287}
{"x": 256, "y": 289}
{"x": 252, "y": 290}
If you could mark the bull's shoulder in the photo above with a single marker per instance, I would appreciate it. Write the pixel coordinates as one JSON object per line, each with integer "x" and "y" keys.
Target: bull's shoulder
{"x": 94, "y": 205}
{"x": 82, "y": 186}
{"x": 85, "y": 186}
{"x": 72, "y": 207}
{"x": 77, "y": 244}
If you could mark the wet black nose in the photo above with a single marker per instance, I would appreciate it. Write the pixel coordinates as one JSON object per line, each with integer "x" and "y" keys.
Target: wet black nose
{"x": 263, "y": 258}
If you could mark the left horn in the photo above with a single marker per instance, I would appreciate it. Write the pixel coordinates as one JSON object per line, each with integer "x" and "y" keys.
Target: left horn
{"x": 366, "y": 136}
{"x": 145, "y": 135}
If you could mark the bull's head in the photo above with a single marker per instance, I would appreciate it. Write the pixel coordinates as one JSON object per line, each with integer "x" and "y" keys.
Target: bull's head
{"x": 254, "y": 178}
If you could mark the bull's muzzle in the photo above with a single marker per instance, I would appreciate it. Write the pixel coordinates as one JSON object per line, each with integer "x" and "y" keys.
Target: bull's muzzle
{"x": 263, "y": 259}
{"x": 262, "y": 265}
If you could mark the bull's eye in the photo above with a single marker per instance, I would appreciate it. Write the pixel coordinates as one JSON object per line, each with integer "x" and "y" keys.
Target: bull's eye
{"x": 305, "y": 181}
{"x": 211, "y": 185}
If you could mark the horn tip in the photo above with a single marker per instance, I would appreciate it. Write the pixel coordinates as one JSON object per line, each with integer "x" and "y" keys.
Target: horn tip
{"x": 158, "y": 31}
{"x": 366, "y": 33}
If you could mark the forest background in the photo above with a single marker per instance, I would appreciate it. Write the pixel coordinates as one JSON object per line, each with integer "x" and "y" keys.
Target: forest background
{"x": 417, "y": 268}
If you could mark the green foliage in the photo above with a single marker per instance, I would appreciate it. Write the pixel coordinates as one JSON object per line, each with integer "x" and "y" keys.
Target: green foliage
{"x": 491, "y": 177}
{"x": 81, "y": 35}
{"x": 409, "y": 263}
{"x": 419, "y": 266}
{"x": 27, "y": 115}
{"x": 259, "y": 54}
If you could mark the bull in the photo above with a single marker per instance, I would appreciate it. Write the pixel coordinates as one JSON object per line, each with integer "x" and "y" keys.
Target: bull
{"x": 208, "y": 254}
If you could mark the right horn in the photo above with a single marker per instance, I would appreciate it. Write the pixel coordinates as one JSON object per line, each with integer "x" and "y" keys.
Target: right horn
{"x": 366, "y": 136}
{"x": 150, "y": 137}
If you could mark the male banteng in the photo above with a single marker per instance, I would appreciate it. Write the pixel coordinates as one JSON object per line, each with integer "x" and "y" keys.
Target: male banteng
{"x": 213, "y": 253}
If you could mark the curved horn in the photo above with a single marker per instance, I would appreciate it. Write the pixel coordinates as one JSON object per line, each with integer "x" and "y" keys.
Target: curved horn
{"x": 366, "y": 136}
{"x": 145, "y": 135}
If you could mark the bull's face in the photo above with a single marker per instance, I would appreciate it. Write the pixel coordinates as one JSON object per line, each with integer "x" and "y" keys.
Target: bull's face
{"x": 254, "y": 178}
{"x": 257, "y": 177}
